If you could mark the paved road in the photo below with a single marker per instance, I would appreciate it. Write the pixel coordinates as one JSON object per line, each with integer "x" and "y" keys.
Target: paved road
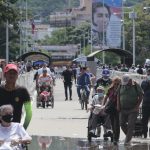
{"x": 68, "y": 120}
{"x": 65, "y": 119}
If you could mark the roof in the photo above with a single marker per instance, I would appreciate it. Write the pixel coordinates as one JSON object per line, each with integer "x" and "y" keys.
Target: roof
{"x": 120, "y": 52}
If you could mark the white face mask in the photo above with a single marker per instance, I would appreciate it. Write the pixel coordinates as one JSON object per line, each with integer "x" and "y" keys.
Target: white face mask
{"x": 148, "y": 77}
{"x": 100, "y": 94}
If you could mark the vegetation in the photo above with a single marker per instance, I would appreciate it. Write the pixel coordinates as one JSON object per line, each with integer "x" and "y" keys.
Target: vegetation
{"x": 72, "y": 35}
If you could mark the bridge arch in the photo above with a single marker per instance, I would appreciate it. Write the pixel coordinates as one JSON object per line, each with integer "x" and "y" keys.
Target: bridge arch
{"x": 35, "y": 56}
{"x": 126, "y": 56}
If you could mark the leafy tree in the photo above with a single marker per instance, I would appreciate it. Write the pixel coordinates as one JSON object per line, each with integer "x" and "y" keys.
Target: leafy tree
{"x": 8, "y": 13}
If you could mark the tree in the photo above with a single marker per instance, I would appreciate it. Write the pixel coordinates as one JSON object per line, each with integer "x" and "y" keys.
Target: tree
{"x": 8, "y": 12}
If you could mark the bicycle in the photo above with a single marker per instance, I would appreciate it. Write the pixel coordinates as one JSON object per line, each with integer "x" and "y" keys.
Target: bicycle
{"x": 84, "y": 99}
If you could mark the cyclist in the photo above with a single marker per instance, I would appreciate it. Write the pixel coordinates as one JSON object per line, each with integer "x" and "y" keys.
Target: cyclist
{"x": 83, "y": 81}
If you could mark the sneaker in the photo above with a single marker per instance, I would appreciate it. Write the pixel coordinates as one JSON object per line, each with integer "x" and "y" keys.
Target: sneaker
{"x": 145, "y": 135}
{"x": 108, "y": 134}
{"x": 70, "y": 98}
{"x": 115, "y": 143}
{"x": 127, "y": 143}
{"x": 92, "y": 133}
{"x": 105, "y": 139}
{"x": 66, "y": 99}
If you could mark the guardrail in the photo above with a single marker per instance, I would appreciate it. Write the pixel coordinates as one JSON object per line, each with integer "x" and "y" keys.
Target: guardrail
{"x": 26, "y": 80}
{"x": 137, "y": 77}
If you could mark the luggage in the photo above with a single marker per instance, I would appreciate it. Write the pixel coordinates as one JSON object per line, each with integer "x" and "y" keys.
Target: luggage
{"x": 138, "y": 130}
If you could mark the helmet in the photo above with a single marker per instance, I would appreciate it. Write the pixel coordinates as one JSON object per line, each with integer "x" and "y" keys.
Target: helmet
{"x": 105, "y": 73}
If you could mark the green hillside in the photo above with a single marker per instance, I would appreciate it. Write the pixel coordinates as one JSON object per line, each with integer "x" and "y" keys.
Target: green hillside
{"x": 45, "y": 7}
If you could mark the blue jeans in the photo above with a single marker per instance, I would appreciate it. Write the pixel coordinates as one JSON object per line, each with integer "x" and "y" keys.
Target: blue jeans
{"x": 87, "y": 89}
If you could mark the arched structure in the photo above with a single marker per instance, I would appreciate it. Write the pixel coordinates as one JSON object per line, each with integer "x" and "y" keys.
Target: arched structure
{"x": 34, "y": 56}
{"x": 126, "y": 56}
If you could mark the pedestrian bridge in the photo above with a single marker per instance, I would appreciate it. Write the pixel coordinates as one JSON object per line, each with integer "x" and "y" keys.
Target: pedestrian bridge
{"x": 44, "y": 142}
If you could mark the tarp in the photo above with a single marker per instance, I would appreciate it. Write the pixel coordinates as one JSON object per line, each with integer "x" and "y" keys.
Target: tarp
{"x": 39, "y": 62}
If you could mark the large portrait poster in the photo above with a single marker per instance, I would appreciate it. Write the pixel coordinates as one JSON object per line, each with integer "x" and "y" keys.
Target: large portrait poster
{"x": 106, "y": 23}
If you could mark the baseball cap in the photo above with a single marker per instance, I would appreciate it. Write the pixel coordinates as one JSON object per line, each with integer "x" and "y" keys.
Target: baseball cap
{"x": 9, "y": 67}
{"x": 44, "y": 70}
{"x": 125, "y": 79}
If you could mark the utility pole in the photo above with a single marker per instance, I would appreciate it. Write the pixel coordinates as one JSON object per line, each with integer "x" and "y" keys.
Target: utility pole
{"x": 133, "y": 16}
{"x": 123, "y": 28}
{"x": 103, "y": 37}
{"x": 26, "y": 33}
{"x": 7, "y": 42}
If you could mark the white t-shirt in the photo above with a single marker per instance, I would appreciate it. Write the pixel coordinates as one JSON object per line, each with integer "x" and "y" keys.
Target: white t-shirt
{"x": 14, "y": 132}
{"x": 96, "y": 101}
{"x": 40, "y": 71}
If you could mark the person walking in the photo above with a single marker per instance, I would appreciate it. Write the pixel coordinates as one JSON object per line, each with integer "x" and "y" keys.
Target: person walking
{"x": 145, "y": 85}
{"x": 128, "y": 101}
{"x": 17, "y": 96}
{"x": 67, "y": 79}
{"x": 111, "y": 95}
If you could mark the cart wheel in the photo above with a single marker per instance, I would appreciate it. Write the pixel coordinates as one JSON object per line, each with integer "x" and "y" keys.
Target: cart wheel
{"x": 52, "y": 102}
{"x": 43, "y": 104}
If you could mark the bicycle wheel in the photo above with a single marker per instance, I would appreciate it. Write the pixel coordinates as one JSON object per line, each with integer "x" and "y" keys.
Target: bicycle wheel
{"x": 52, "y": 102}
{"x": 85, "y": 100}
{"x": 86, "y": 104}
{"x": 82, "y": 104}
{"x": 82, "y": 101}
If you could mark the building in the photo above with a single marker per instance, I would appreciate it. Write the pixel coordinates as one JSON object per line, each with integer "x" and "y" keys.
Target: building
{"x": 60, "y": 54}
{"x": 72, "y": 16}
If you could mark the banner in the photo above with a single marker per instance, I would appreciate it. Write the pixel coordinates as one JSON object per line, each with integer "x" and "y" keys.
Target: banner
{"x": 106, "y": 23}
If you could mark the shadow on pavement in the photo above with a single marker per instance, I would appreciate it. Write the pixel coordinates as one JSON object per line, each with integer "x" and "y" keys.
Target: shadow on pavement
{"x": 63, "y": 143}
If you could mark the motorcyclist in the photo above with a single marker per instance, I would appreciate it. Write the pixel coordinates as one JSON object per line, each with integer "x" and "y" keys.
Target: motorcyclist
{"x": 83, "y": 81}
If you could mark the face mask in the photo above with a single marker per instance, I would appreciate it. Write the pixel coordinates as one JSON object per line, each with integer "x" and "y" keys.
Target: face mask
{"x": 7, "y": 118}
{"x": 100, "y": 94}
{"x": 148, "y": 78}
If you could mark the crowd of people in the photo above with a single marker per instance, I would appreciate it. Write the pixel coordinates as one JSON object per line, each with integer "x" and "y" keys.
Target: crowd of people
{"x": 125, "y": 95}
{"x": 123, "y": 101}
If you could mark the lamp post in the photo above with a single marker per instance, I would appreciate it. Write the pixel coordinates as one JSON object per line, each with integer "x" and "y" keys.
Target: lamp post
{"x": 133, "y": 16}
{"x": 26, "y": 8}
{"x": 7, "y": 42}
{"x": 123, "y": 29}
{"x": 103, "y": 37}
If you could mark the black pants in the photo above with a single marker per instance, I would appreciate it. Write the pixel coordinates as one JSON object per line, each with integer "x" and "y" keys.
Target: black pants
{"x": 145, "y": 118}
{"x": 115, "y": 125}
{"x": 95, "y": 120}
{"x": 68, "y": 86}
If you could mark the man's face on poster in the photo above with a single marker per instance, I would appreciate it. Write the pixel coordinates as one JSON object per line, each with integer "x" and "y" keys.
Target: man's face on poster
{"x": 99, "y": 19}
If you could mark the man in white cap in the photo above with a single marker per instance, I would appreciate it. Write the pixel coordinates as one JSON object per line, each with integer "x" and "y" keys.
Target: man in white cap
{"x": 128, "y": 101}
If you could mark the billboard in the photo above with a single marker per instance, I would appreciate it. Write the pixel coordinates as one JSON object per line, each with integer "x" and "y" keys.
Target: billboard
{"x": 106, "y": 23}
